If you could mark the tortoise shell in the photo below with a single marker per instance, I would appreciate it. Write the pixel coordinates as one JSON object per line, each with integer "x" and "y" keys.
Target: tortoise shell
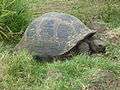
{"x": 53, "y": 34}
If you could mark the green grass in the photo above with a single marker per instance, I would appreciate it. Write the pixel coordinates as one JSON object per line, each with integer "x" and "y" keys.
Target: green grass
{"x": 20, "y": 72}
{"x": 15, "y": 15}
{"x": 14, "y": 18}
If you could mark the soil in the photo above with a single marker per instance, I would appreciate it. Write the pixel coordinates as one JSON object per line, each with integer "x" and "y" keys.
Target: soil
{"x": 104, "y": 80}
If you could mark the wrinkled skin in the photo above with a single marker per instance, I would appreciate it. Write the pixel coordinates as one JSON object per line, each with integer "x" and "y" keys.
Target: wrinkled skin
{"x": 91, "y": 45}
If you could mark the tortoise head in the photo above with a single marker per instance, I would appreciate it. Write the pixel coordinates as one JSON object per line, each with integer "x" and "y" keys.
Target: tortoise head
{"x": 97, "y": 46}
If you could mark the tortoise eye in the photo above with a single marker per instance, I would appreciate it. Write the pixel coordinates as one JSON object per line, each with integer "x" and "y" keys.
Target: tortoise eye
{"x": 100, "y": 45}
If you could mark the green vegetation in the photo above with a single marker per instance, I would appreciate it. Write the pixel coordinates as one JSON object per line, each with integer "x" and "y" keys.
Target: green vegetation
{"x": 20, "y": 72}
{"x": 14, "y": 18}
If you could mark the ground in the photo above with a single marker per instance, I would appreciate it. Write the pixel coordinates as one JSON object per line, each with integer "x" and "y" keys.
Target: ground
{"x": 82, "y": 72}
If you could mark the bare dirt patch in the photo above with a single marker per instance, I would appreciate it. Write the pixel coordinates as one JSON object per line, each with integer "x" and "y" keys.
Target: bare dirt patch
{"x": 104, "y": 80}
{"x": 114, "y": 37}
{"x": 53, "y": 6}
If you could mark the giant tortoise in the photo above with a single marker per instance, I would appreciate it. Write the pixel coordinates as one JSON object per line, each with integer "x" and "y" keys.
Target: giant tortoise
{"x": 58, "y": 34}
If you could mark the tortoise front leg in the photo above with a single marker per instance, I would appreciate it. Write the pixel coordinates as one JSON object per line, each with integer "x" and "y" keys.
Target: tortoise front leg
{"x": 83, "y": 47}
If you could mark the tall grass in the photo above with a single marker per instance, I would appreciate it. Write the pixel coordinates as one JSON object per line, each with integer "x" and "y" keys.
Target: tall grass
{"x": 14, "y": 17}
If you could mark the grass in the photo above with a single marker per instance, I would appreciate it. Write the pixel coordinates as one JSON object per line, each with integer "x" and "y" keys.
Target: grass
{"x": 15, "y": 15}
{"x": 21, "y": 72}
{"x": 14, "y": 18}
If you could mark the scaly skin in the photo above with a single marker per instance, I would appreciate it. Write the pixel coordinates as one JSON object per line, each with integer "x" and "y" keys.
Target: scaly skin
{"x": 91, "y": 45}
